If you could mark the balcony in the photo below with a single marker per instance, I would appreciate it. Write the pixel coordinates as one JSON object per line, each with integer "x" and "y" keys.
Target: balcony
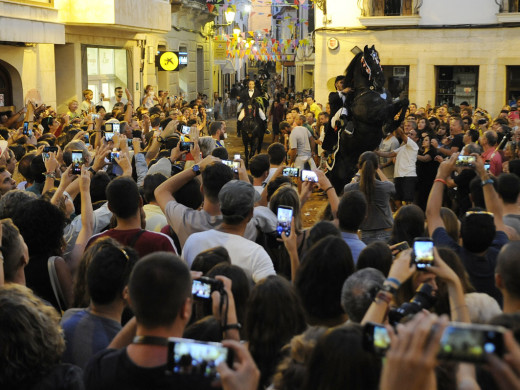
{"x": 508, "y": 11}
{"x": 132, "y": 15}
{"x": 389, "y": 12}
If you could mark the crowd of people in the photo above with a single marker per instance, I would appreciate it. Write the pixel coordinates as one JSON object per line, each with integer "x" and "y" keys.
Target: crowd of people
{"x": 108, "y": 217}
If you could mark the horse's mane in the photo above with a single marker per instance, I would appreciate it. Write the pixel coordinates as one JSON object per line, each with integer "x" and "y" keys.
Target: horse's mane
{"x": 349, "y": 72}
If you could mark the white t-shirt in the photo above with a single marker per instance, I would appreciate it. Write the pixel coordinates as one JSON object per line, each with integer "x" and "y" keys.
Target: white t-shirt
{"x": 299, "y": 140}
{"x": 406, "y": 159}
{"x": 246, "y": 254}
{"x": 155, "y": 218}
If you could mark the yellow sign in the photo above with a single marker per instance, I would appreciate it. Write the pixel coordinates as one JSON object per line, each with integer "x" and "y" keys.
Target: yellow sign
{"x": 219, "y": 50}
{"x": 167, "y": 60}
{"x": 278, "y": 67}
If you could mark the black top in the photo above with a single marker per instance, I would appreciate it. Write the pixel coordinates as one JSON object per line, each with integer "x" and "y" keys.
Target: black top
{"x": 37, "y": 279}
{"x": 112, "y": 369}
{"x": 458, "y": 141}
{"x": 481, "y": 269}
{"x": 462, "y": 180}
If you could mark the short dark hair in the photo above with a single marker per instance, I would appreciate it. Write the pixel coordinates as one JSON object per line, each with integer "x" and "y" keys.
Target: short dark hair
{"x": 283, "y": 125}
{"x": 123, "y": 197}
{"x": 159, "y": 285}
{"x": 509, "y": 187}
{"x": 220, "y": 152}
{"x": 108, "y": 273}
{"x": 150, "y": 183}
{"x": 477, "y": 232}
{"x": 473, "y": 135}
{"x": 477, "y": 193}
{"x": 276, "y": 152}
{"x": 508, "y": 267}
{"x": 11, "y": 249}
{"x": 214, "y": 127}
{"x": 259, "y": 164}
{"x": 214, "y": 176}
{"x": 209, "y": 258}
{"x": 376, "y": 255}
{"x": 98, "y": 186}
{"x": 352, "y": 210}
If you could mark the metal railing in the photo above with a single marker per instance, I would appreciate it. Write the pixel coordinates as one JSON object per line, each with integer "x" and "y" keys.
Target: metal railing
{"x": 390, "y": 7}
{"x": 508, "y": 6}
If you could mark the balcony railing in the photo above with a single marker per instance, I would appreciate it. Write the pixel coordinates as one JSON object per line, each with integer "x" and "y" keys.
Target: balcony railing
{"x": 371, "y": 8}
{"x": 508, "y": 6}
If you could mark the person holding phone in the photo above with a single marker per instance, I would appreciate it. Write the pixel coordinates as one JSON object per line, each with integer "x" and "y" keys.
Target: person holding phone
{"x": 482, "y": 232}
{"x": 488, "y": 141}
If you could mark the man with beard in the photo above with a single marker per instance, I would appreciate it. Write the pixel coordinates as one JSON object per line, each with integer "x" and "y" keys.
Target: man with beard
{"x": 217, "y": 131}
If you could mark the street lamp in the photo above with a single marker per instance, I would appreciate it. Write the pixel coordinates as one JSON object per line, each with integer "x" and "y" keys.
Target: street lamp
{"x": 229, "y": 14}
{"x": 236, "y": 30}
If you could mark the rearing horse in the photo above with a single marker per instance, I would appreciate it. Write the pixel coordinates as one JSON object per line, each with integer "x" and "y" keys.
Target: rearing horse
{"x": 252, "y": 131}
{"x": 371, "y": 109}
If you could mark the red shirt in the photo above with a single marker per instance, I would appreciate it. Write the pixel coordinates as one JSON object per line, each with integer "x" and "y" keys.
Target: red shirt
{"x": 148, "y": 242}
{"x": 495, "y": 161}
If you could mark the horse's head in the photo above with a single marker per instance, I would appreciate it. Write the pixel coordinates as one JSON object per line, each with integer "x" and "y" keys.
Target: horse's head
{"x": 373, "y": 67}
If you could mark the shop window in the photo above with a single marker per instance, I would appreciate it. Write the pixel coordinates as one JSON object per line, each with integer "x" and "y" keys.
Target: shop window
{"x": 456, "y": 84}
{"x": 397, "y": 80}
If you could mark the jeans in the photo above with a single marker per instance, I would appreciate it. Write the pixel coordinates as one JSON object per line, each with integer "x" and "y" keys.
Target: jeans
{"x": 369, "y": 236}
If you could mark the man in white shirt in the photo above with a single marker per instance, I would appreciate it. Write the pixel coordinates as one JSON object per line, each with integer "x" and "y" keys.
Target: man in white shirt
{"x": 405, "y": 175}
{"x": 237, "y": 200}
{"x": 300, "y": 148}
{"x": 118, "y": 98}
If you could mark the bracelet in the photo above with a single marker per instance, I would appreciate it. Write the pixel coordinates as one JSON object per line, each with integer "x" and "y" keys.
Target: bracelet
{"x": 395, "y": 281}
{"x": 236, "y": 326}
{"x": 51, "y": 175}
{"x": 441, "y": 181}
{"x": 328, "y": 189}
{"x": 384, "y": 297}
{"x": 488, "y": 181}
{"x": 91, "y": 170}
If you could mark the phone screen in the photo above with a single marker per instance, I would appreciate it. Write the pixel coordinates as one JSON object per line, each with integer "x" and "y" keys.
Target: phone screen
{"x": 77, "y": 161}
{"x": 471, "y": 342}
{"x": 109, "y": 135}
{"x": 190, "y": 357}
{"x": 309, "y": 176}
{"x": 423, "y": 253}
{"x": 185, "y": 130}
{"x": 116, "y": 127}
{"x": 291, "y": 172}
{"x": 200, "y": 289}
{"x": 376, "y": 338}
{"x": 47, "y": 150}
{"x": 284, "y": 220}
{"x": 465, "y": 161}
{"x": 236, "y": 157}
{"x": 186, "y": 146}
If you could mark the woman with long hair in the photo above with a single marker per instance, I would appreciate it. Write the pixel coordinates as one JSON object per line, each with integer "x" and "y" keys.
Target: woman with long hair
{"x": 378, "y": 190}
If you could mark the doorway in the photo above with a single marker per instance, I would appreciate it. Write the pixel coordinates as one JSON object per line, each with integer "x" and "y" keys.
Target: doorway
{"x": 6, "y": 89}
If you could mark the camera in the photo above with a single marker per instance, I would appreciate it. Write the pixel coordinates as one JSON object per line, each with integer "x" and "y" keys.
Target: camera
{"x": 465, "y": 161}
{"x": 203, "y": 287}
{"x": 423, "y": 299}
{"x": 482, "y": 121}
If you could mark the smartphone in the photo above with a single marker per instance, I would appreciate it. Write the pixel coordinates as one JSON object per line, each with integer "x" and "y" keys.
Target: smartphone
{"x": 185, "y": 130}
{"x": 236, "y": 157}
{"x": 77, "y": 161}
{"x": 309, "y": 176}
{"x": 465, "y": 161}
{"x": 376, "y": 338}
{"x": 487, "y": 166}
{"x": 234, "y": 165}
{"x": 197, "y": 358}
{"x": 95, "y": 116}
{"x": 291, "y": 172}
{"x": 116, "y": 127}
{"x": 47, "y": 150}
{"x": 284, "y": 215}
{"x": 86, "y": 138}
{"x": 186, "y": 145}
{"x": 471, "y": 342}
{"x": 401, "y": 246}
{"x": 109, "y": 135}
{"x": 113, "y": 156}
{"x": 204, "y": 286}
{"x": 137, "y": 133}
{"x": 26, "y": 131}
{"x": 423, "y": 252}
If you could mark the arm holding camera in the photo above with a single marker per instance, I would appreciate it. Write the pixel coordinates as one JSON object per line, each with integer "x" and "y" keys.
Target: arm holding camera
{"x": 493, "y": 203}
{"x": 291, "y": 244}
{"x": 413, "y": 353}
{"x": 325, "y": 184}
{"x": 244, "y": 375}
{"x": 402, "y": 269}
{"x": 433, "y": 208}
{"x": 231, "y": 333}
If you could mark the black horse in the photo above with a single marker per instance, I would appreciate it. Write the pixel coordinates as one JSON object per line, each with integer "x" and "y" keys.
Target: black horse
{"x": 371, "y": 109}
{"x": 252, "y": 131}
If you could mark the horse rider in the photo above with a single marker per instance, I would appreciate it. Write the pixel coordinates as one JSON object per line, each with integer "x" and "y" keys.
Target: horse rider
{"x": 340, "y": 116}
{"x": 247, "y": 97}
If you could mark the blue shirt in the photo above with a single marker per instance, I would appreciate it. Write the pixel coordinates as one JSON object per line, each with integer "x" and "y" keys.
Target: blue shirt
{"x": 85, "y": 335}
{"x": 354, "y": 243}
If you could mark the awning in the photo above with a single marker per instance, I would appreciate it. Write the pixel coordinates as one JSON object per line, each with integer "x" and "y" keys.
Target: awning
{"x": 226, "y": 66}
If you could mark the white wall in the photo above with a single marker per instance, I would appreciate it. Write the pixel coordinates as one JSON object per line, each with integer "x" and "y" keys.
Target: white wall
{"x": 443, "y": 12}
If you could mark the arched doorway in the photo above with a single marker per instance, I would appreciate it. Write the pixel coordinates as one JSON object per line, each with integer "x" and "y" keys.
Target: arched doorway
{"x": 6, "y": 89}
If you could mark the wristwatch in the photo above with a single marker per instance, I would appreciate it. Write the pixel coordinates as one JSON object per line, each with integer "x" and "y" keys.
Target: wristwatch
{"x": 196, "y": 169}
{"x": 388, "y": 288}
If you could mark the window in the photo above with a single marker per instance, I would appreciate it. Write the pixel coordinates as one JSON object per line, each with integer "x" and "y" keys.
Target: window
{"x": 456, "y": 84}
{"x": 397, "y": 80}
